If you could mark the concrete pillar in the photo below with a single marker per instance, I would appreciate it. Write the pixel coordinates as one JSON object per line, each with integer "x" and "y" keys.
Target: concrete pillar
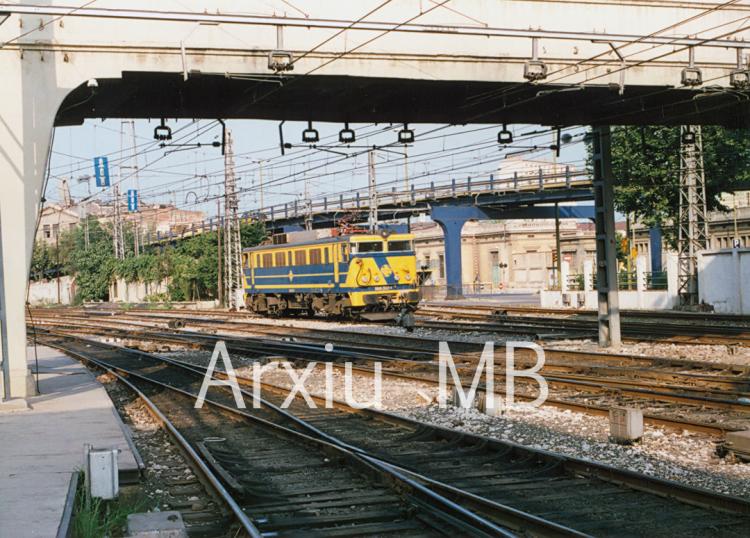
{"x": 588, "y": 282}
{"x": 588, "y": 275}
{"x": 564, "y": 274}
{"x": 29, "y": 100}
{"x": 673, "y": 279}
{"x": 606, "y": 253}
{"x": 640, "y": 279}
{"x": 654, "y": 239}
{"x": 452, "y": 239}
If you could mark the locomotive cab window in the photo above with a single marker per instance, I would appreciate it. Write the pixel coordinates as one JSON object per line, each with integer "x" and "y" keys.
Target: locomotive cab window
{"x": 268, "y": 260}
{"x": 315, "y": 258}
{"x": 401, "y": 245}
{"x": 280, "y": 259}
{"x": 299, "y": 257}
{"x": 367, "y": 246}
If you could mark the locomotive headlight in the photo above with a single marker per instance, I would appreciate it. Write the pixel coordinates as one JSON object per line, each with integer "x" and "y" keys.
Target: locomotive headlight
{"x": 377, "y": 278}
{"x": 397, "y": 277}
{"x": 407, "y": 277}
{"x": 365, "y": 279}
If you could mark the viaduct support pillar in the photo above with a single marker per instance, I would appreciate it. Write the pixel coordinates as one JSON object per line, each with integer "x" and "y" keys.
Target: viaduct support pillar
{"x": 28, "y": 104}
{"x": 606, "y": 253}
{"x": 654, "y": 239}
{"x": 451, "y": 226}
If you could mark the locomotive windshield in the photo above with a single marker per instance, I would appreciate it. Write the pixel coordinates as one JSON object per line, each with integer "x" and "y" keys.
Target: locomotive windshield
{"x": 401, "y": 245}
{"x": 367, "y": 246}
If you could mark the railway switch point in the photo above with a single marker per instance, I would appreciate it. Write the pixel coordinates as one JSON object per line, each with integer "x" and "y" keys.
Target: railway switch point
{"x": 625, "y": 425}
{"x": 156, "y": 525}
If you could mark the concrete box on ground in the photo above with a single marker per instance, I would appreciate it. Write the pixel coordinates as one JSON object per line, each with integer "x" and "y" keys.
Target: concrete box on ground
{"x": 625, "y": 424}
{"x": 156, "y": 525}
{"x": 102, "y": 472}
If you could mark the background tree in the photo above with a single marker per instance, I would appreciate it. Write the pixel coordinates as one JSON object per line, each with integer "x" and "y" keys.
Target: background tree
{"x": 646, "y": 167}
{"x": 189, "y": 265}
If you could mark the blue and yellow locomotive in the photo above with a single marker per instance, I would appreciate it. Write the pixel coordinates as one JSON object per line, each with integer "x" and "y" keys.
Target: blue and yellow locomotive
{"x": 365, "y": 276}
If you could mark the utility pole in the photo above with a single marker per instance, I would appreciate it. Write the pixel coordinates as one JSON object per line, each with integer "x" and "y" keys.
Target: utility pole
{"x": 137, "y": 182}
{"x": 373, "y": 193}
{"x": 406, "y": 171}
{"x": 308, "y": 206}
{"x": 232, "y": 246}
{"x": 220, "y": 272}
{"x": 117, "y": 236}
{"x": 692, "y": 226}
{"x": 558, "y": 249}
{"x": 260, "y": 180}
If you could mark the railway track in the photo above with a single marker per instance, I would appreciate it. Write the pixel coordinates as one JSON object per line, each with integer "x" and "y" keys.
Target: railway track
{"x": 283, "y": 481}
{"x": 703, "y": 397}
{"x": 547, "y": 324}
{"x": 485, "y": 481}
{"x": 655, "y": 315}
{"x": 544, "y": 326}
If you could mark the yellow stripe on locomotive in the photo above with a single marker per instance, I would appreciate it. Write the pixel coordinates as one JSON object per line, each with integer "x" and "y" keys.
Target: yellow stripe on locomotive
{"x": 357, "y": 275}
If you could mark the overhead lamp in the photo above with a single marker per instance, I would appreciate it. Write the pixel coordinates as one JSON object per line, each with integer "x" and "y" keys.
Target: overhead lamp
{"x": 346, "y": 135}
{"x": 739, "y": 78}
{"x": 162, "y": 131}
{"x": 688, "y": 137}
{"x": 534, "y": 69}
{"x": 280, "y": 60}
{"x": 691, "y": 75}
{"x": 310, "y": 135}
{"x": 405, "y": 135}
{"x": 504, "y": 136}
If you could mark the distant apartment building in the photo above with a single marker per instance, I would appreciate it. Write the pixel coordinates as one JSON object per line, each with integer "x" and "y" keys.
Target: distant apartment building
{"x": 151, "y": 218}
{"x": 54, "y": 220}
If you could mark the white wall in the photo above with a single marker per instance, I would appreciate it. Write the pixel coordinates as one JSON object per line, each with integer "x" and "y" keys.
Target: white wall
{"x": 639, "y": 299}
{"x": 46, "y": 291}
{"x": 724, "y": 280}
{"x": 133, "y": 292}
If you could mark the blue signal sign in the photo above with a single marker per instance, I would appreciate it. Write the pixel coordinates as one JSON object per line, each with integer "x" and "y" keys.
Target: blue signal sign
{"x": 101, "y": 171}
{"x": 132, "y": 200}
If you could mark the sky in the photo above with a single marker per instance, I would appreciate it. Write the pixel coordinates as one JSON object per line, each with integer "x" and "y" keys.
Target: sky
{"x": 192, "y": 177}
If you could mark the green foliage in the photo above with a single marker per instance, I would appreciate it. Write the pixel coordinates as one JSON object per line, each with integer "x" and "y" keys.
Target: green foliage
{"x": 190, "y": 265}
{"x": 42, "y": 261}
{"x": 646, "y": 167}
{"x": 94, "y": 266}
{"x": 95, "y": 518}
{"x": 148, "y": 268}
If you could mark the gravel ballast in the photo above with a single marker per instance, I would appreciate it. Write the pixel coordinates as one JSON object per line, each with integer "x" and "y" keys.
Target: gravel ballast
{"x": 681, "y": 456}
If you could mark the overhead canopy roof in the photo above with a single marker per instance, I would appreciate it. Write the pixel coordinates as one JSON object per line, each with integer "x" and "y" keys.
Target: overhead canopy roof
{"x": 334, "y": 98}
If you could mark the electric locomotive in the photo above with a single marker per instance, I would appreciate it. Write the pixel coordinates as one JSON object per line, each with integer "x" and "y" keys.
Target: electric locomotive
{"x": 358, "y": 276}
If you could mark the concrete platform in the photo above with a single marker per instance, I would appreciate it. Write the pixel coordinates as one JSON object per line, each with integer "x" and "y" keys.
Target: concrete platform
{"x": 41, "y": 446}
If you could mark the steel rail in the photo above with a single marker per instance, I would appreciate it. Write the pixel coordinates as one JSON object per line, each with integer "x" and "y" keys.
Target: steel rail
{"x": 185, "y": 446}
{"x": 659, "y": 487}
{"x": 632, "y": 389}
{"x": 714, "y": 385}
{"x": 481, "y": 526}
{"x": 243, "y": 322}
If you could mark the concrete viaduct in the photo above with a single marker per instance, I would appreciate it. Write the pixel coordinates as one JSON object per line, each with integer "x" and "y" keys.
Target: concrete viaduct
{"x": 553, "y": 62}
